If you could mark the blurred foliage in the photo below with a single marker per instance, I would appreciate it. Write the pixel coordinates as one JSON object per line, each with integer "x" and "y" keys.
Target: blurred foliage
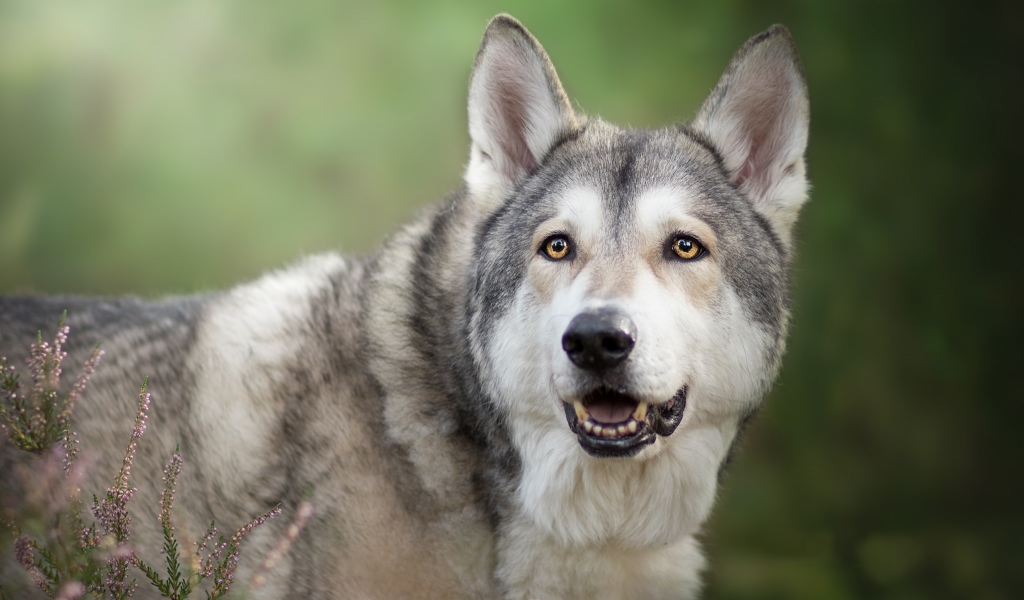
{"x": 165, "y": 147}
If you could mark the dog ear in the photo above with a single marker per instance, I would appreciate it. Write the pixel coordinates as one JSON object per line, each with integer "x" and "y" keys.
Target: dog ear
{"x": 517, "y": 109}
{"x": 758, "y": 117}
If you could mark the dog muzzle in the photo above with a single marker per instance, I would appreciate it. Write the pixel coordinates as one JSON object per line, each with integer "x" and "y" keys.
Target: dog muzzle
{"x": 608, "y": 423}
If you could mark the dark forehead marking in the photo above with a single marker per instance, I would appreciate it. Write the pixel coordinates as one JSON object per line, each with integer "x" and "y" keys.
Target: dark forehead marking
{"x": 626, "y": 173}
{"x": 618, "y": 200}
{"x": 625, "y": 177}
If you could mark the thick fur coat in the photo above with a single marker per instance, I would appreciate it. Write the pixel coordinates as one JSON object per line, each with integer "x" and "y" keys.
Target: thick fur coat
{"x": 528, "y": 392}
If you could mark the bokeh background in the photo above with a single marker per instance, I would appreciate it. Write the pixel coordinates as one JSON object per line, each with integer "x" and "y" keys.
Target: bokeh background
{"x": 166, "y": 147}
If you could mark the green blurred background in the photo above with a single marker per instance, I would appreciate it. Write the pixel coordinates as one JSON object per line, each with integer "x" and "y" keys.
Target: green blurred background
{"x": 165, "y": 147}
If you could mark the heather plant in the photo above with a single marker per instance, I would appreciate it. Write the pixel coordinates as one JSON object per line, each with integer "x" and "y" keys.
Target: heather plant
{"x": 218, "y": 564}
{"x": 36, "y": 421}
{"x": 64, "y": 557}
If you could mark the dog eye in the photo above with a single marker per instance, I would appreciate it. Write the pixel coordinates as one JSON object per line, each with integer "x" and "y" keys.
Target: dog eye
{"x": 687, "y": 247}
{"x": 556, "y": 247}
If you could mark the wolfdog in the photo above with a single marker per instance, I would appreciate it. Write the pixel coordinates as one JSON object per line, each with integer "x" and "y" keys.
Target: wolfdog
{"x": 528, "y": 392}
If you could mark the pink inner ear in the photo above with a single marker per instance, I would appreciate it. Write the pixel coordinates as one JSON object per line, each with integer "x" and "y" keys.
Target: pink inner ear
{"x": 756, "y": 168}
{"x": 749, "y": 167}
{"x": 509, "y": 117}
{"x": 762, "y": 116}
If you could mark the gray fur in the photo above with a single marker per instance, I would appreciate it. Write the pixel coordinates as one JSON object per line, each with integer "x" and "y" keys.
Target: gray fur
{"x": 373, "y": 383}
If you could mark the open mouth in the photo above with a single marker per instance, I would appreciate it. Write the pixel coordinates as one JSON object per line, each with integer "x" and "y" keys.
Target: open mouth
{"x": 611, "y": 423}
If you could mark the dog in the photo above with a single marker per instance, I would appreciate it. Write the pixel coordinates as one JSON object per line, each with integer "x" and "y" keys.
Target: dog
{"x": 530, "y": 390}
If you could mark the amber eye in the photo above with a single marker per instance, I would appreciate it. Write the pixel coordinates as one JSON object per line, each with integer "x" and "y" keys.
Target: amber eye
{"x": 686, "y": 247}
{"x": 557, "y": 247}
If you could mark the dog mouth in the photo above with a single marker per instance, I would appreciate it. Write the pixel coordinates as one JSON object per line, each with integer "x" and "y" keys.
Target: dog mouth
{"x": 611, "y": 423}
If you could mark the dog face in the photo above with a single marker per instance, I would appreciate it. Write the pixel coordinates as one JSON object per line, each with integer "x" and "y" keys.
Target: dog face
{"x": 641, "y": 291}
{"x": 631, "y": 285}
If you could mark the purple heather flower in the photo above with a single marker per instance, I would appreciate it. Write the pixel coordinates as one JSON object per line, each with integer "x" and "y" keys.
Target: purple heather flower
{"x": 26, "y": 558}
{"x": 171, "y": 472}
{"x": 87, "y": 371}
{"x": 302, "y": 516}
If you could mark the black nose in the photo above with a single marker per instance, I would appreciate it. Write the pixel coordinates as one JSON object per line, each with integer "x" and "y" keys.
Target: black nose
{"x": 599, "y": 340}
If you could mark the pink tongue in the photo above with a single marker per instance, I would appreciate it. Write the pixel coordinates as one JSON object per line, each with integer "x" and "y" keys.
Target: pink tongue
{"x": 610, "y": 412}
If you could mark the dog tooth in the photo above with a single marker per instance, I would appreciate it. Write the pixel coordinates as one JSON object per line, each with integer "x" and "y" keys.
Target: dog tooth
{"x": 641, "y": 412}
{"x": 622, "y": 430}
{"x": 608, "y": 432}
{"x": 581, "y": 412}
{"x": 631, "y": 426}
{"x": 597, "y": 429}
{"x": 588, "y": 426}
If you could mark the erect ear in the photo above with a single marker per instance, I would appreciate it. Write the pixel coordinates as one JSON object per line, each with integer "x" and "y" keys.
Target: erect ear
{"x": 758, "y": 117}
{"x": 517, "y": 109}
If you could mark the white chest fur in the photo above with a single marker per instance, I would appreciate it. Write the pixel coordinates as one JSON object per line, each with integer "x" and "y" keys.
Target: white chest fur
{"x": 532, "y": 565}
{"x": 609, "y": 528}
